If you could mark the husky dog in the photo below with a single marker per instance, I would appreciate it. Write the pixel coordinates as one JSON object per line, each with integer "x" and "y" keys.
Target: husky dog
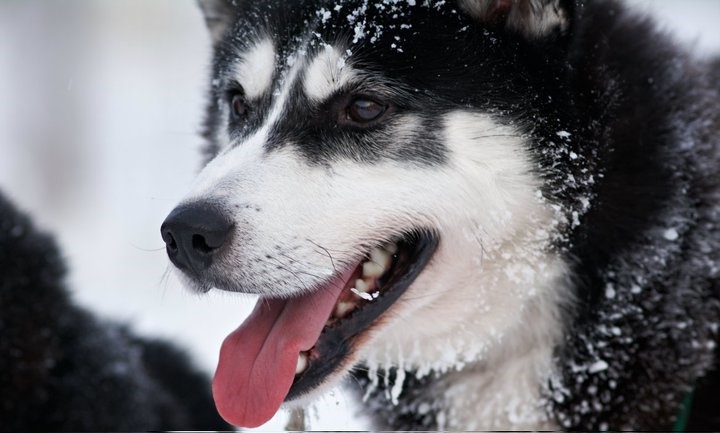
{"x": 495, "y": 214}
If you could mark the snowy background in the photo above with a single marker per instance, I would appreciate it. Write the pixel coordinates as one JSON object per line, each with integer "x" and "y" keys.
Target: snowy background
{"x": 100, "y": 105}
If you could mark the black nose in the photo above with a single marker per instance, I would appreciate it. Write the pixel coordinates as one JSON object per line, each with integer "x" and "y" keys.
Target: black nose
{"x": 194, "y": 234}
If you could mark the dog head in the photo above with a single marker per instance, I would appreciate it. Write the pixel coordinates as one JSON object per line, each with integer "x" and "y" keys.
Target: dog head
{"x": 377, "y": 173}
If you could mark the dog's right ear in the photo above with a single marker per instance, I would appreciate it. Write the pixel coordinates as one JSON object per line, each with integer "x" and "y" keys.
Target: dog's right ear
{"x": 219, "y": 16}
{"x": 533, "y": 19}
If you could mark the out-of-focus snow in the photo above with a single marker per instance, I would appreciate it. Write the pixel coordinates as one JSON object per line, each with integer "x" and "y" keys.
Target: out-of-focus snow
{"x": 100, "y": 104}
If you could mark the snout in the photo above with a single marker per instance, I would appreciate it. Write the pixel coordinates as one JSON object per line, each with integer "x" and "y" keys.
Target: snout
{"x": 194, "y": 235}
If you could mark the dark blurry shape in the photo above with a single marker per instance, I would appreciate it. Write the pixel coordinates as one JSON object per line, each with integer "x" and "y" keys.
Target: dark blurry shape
{"x": 62, "y": 369}
{"x": 704, "y": 413}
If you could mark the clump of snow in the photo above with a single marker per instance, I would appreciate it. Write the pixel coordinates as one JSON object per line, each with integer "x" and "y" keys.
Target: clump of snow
{"x": 598, "y": 366}
{"x": 610, "y": 291}
{"x": 671, "y": 235}
{"x": 397, "y": 387}
{"x": 364, "y": 28}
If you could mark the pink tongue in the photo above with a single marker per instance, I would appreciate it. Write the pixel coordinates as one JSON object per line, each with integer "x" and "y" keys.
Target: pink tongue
{"x": 258, "y": 360}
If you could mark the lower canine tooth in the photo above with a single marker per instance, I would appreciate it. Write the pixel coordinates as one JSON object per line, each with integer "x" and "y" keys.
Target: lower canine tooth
{"x": 342, "y": 309}
{"x": 302, "y": 364}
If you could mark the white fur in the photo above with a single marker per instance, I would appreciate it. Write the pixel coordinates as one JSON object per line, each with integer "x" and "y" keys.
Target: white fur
{"x": 327, "y": 73}
{"x": 256, "y": 68}
{"x": 485, "y": 308}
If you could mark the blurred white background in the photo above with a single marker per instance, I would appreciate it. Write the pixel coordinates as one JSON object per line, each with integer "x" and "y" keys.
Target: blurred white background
{"x": 100, "y": 105}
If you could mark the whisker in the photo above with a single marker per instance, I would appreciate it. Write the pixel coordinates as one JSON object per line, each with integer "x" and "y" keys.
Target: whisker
{"x": 146, "y": 250}
{"x": 164, "y": 282}
{"x": 292, "y": 260}
{"x": 284, "y": 268}
{"x": 332, "y": 261}
{"x": 478, "y": 137}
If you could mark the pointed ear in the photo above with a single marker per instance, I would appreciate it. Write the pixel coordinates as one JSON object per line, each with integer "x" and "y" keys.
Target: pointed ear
{"x": 533, "y": 19}
{"x": 219, "y": 16}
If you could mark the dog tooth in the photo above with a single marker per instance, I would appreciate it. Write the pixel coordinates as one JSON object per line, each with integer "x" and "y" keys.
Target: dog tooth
{"x": 372, "y": 270}
{"x": 381, "y": 257}
{"x": 342, "y": 309}
{"x": 302, "y": 364}
{"x": 391, "y": 248}
{"x": 361, "y": 285}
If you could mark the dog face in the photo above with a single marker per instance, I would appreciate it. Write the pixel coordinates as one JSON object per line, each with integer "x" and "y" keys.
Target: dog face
{"x": 372, "y": 176}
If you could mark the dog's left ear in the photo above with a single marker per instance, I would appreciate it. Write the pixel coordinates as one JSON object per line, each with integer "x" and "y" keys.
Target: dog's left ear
{"x": 219, "y": 16}
{"x": 533, "y": 19}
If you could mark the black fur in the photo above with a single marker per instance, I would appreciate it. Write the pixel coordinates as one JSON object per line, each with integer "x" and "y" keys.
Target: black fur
{"x": 62, "y": 369}
{"x": 653, "y": 226}
{"x": 624, "y": 128}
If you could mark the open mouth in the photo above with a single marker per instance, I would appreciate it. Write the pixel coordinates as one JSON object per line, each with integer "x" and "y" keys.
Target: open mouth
{"x": 287, "y": 348}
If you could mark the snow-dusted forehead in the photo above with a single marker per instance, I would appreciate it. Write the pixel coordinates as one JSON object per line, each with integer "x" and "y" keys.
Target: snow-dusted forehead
{"x": 368, "y": 21}
{"x": 328, "y": 38}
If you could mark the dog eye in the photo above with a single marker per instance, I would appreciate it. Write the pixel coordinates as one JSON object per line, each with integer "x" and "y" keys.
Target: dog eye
{"x": 238, "y": 106}
{"x": 365, "y": 110}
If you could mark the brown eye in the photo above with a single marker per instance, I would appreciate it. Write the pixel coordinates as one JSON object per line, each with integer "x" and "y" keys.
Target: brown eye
{"x": 238, "y": 106}
{"x": 365, "y": 110}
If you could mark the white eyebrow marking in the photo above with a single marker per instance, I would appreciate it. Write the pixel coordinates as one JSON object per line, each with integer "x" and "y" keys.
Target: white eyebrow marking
{"x": 256, "y": 69}
{"x": 226, "y": 164}
{"x": 327, "y": 73}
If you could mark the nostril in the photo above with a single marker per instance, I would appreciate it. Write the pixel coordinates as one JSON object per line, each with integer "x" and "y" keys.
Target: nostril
{"x": 200, "y": 244}
{"x": 173, "y": 244}
{"x": 170, "y": 242}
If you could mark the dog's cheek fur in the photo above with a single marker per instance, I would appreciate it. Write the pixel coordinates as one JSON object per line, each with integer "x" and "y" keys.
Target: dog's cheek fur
{"x": 493, "y": 273}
